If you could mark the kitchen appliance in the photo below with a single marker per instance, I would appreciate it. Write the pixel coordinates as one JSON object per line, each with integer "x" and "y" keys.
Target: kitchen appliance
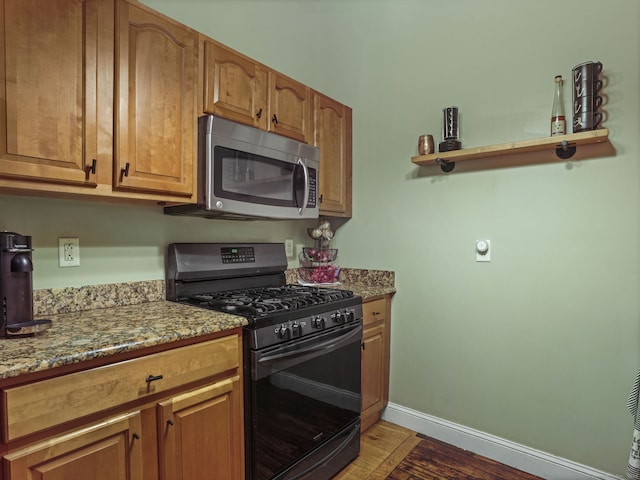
{"x": 301, "y": 352}
{"x": 246, "y": 173}
{"x": 16, "y": 287}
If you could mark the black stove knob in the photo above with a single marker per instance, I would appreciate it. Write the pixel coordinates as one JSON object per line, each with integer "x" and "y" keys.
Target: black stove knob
{"x": 339, "y": 317}
{"x": 296, "y": 329}
{"x": 351, "y": 316}
{"x": 317, "y": 322}
{"x": 284, "y": 332}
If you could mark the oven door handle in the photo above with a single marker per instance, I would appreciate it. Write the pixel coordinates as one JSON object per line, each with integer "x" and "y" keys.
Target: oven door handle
{"x": 316, "y": 348}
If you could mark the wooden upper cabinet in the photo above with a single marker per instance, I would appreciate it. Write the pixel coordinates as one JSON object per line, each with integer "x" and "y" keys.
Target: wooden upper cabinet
{"x": 235, "y": 87}
{"x": 289, "y": 108}
{"x": 332, "y": 135}
{"x": 241, "y": 89}
{"x": 51, "y": 90}
{"x": 156, "y": 117}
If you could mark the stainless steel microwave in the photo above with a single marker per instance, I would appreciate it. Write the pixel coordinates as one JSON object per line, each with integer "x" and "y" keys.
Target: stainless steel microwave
{"x": 247, "y": 173}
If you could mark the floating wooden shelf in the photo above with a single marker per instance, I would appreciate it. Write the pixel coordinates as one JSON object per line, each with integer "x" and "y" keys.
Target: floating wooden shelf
{"x": 564, "y": 145}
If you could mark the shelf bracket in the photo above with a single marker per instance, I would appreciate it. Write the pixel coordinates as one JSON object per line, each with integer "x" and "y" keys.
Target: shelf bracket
{"x": 446, "y": 165}
{"x": 565, "y": 150}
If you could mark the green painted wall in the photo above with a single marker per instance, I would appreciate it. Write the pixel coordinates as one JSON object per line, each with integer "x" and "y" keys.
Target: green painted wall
{"x": 540, "y": 345}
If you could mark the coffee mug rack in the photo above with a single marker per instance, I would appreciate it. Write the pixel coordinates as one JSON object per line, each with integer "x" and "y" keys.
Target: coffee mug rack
{"x": 564, "y": 146}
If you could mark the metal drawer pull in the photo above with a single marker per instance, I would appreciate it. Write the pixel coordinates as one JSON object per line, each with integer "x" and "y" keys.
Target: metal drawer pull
{"x": 136, "y": 436}
{"x": 153, "y": 378}
{"x": 375, "y": 313}
{"x": 170, "y": 422}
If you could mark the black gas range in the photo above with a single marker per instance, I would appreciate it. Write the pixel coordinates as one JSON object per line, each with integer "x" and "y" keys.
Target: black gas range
{"x": 301, "y": 355}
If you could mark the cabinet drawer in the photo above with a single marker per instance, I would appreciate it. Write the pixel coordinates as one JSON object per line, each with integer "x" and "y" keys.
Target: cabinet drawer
{"x": 43, "y": 404}
{"x": 374, "y": 311}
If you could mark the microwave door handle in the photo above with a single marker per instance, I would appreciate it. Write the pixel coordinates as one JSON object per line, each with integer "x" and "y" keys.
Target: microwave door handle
{"x": 305, "y": 197}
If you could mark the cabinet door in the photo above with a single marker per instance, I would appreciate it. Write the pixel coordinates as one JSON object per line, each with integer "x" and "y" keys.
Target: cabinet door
{"x": 375, "y": 360}
{"x": 48, "y": 89}
{"x": 110, "y": 450}
{"x": 289, "y": 108}
{"x": 155, "y": 119}
{"x": 235, "y": 87}
{"x": 332, "y": 135}
{"x": 372, "y": 367}
{"x": 201, "y": 433}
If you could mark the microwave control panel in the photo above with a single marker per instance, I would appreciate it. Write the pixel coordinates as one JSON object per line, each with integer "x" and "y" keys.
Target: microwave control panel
{"x": 313, "y": 189}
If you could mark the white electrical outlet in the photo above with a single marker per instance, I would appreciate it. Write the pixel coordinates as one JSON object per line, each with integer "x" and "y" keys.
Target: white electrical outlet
{"x": 69, "y": 252}
{"x": 288, "y": 247}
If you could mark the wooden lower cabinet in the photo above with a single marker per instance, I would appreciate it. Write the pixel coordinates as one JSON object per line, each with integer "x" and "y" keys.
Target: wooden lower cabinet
{"x": 181, "y": 432}
{"x": 199, "y": 433}
{"x": 375, "y": 359}
{"x": 109, "y": 450}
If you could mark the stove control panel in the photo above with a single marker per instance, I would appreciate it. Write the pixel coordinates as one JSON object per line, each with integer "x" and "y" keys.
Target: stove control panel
{"x": 301, "y": 327}
{"x": 238, "y": 255}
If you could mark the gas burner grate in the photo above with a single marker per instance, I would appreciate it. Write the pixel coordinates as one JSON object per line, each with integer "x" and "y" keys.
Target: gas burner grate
{"x": 255, "y": 303}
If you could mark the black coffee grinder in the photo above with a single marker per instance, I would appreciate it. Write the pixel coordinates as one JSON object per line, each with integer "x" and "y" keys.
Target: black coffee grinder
{"x": 16, "y": 287}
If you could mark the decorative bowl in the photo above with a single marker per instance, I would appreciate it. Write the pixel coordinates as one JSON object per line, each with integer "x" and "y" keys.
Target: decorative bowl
{"x": 324, "y": 255}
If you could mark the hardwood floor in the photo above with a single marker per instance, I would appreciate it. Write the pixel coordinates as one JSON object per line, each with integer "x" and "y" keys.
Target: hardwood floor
{"x": 388, "y": 451}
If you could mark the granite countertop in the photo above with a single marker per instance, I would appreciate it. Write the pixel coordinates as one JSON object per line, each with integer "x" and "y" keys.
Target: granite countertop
{"x": 84, "y": 335}
{"x": 101, "y": 320}
{"x": 369, "y": 284}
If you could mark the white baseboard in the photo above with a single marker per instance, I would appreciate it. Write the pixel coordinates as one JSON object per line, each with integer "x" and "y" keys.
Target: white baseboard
{"x": 504, "y": 451}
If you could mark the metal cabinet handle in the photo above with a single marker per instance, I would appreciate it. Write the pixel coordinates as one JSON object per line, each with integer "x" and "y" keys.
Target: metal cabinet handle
{"x": 375, "y": 313}
{"x": 153, "y": 378}
{"x": 170, "y": 422}
{"x": 259, "y": 114}
{"x": 136, "y": 436}
{"x": 125, "y": 170}
{"x": 274, "y": 119}
{"x": 92, "y": 168}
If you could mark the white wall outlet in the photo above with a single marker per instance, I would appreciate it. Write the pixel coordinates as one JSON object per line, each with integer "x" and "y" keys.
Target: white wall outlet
{"x": 483, "y": 250}
{"x": 69, "y": 252}
{"x": 288, "y": 247}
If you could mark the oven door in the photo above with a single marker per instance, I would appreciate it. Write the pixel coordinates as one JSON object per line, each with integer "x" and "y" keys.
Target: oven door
{"x": 304, "y": 396}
